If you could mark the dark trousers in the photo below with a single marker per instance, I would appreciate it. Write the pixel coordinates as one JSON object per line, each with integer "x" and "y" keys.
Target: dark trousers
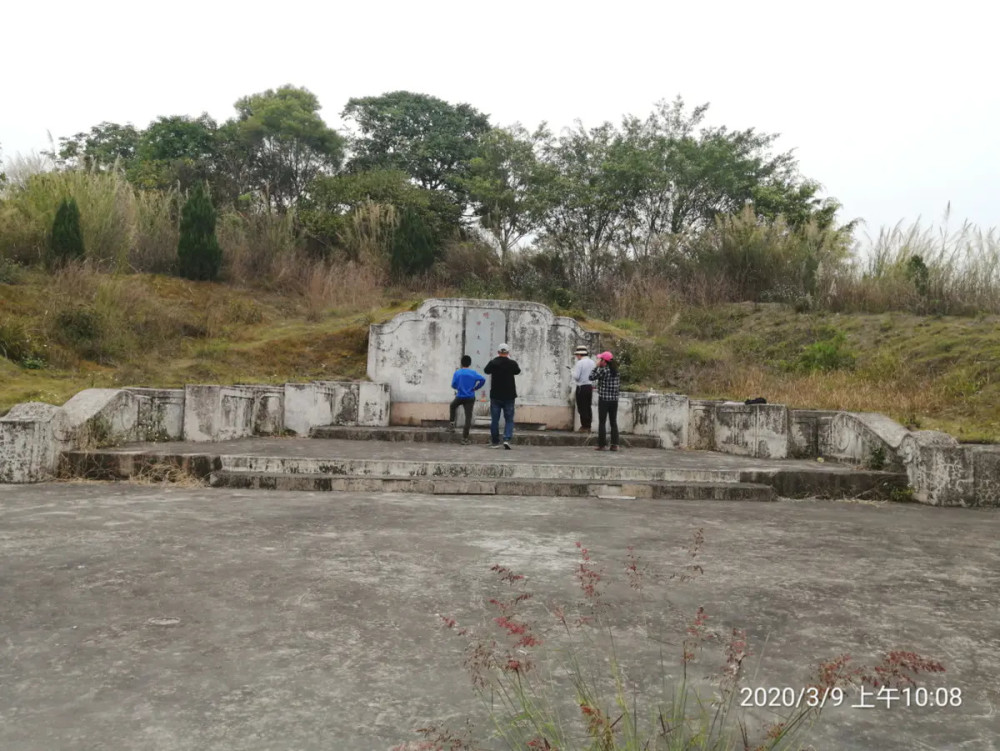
{"x": 585, "y": 405}
{"x": 496, "y": 407}
{"x": 608, "y": 410}
{"x": 467, "y": 403}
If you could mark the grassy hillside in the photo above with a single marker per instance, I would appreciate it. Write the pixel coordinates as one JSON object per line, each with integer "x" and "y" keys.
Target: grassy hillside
{"x": 80, "y": 329}
{"x": 940, "y": 373}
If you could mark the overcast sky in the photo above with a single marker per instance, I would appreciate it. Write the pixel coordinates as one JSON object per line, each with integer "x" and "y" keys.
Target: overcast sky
{"x": 894, "y": 107}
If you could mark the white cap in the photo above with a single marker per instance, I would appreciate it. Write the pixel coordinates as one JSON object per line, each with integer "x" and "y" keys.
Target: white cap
{"x": 504, "y": 347}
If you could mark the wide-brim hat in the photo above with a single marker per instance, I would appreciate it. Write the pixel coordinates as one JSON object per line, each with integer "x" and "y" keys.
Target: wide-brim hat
{"x": 581, "y": 350}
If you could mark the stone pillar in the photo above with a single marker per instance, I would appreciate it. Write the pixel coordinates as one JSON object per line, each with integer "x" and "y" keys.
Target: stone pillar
{"x": 701, "y": 424}
{"x": 32, "y": 436}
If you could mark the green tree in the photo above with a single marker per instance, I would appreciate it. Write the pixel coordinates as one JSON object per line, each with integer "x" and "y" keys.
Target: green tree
{"x": 590, "y": 197}
{"x": 66, "y": 242}
{"x": 103, "y": 147}
{"x": 287, "y": 143}
{"x": 509, "y": 187}
{"x": 686, "y": 175}
{"x": 429, "y": 139}
{"x": 177, "y": 150}
{"x": 198, "y": 253}
{"x": 327, "y": 211}
{"x": 234, "y": 170}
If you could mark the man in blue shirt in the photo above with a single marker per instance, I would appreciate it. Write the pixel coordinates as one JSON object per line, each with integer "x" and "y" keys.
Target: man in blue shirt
{"x": 466, "y": 382}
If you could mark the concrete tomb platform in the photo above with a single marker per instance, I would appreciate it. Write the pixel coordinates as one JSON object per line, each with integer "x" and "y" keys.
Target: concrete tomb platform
{"x": 166, "y": 618}
{"x": 421, "y": 466}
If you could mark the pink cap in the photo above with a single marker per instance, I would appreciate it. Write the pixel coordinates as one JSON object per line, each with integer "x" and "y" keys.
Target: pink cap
{"x": 606, "y": 356}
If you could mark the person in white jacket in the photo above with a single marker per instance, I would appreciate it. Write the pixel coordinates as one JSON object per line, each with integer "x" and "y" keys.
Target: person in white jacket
{"x": 584, "y": 389}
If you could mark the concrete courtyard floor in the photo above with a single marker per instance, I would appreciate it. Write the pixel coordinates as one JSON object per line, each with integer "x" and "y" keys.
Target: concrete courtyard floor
{"x": 169, "y": 618}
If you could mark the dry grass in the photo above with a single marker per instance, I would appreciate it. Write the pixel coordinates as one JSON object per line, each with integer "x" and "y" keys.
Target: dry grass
{"x": 651, "y": 301}
{"x": 258, "y": 250}
{"x": 960, "y": 274}
{"x": 904, "y": 400}
{"x": 347, "y": 287}
{"x": 167, "y": 473}
{"x": 367, "y": 237}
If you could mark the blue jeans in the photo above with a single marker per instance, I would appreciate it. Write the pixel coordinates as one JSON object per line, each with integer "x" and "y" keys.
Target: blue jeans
{"x": 507, "y": 406}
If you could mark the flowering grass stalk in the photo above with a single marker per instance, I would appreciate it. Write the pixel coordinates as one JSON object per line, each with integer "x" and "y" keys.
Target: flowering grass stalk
{"x": 528, "y": 664}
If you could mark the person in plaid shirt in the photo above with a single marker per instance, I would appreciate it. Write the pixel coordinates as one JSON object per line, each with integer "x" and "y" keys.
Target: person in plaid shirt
{"x": 608, "y": 388}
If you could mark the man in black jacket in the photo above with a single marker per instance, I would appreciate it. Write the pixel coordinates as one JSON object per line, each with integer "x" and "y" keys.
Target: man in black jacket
{"x": 503, "y": 392}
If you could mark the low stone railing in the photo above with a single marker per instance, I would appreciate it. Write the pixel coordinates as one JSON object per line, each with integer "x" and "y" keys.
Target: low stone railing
{"x": 34, "y": 435}
{"x": 941, "y": 471}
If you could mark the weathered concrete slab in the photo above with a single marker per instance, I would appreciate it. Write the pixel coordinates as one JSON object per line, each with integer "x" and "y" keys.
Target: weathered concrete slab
{"x": 373, "y": 404}
{"x": 268, "y": 409}
{"x": 218, "y": 413}
{"x": 318, "y": 403}
{"x": 805, "y": 428}
{"x": 205, "y": 619}
{"x": 664, "y": 416}
{"x": 160, "y": 413}
{"x": 759, "y": 430}
{"x": 476, "y": 435}
{"x": 701, "y": 425}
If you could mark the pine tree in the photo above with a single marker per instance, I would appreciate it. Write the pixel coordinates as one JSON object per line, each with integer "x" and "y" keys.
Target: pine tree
{"x": 66, "y": 243}
{"x": 198, "y": 253}
{"x": 413, "y": 245}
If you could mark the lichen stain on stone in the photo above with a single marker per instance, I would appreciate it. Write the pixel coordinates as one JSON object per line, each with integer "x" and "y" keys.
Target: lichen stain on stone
{"x": 348, "y": 408}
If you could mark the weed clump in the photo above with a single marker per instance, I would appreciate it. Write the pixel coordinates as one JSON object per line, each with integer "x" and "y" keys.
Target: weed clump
{"x": 829, "y": 353}
{"x": 18, "y": 345}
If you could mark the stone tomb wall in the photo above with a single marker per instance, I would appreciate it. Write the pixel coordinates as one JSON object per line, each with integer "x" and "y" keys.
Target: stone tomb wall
{"x": 416, "y": 353}
{"x": 34, "y": 435}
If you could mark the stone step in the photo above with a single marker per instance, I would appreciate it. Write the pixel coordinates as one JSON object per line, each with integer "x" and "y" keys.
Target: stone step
{"x": 112, "y": 465}
{"x": 483, "y": 422}
{"x": 486, "y": 468}
{"x": 693, "y": 491}
{"x": 477, "y": 436}
{"x": 279, "y": 457}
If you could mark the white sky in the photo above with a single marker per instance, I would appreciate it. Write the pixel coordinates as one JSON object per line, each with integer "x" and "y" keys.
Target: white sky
{"x": 893, "y": 106}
